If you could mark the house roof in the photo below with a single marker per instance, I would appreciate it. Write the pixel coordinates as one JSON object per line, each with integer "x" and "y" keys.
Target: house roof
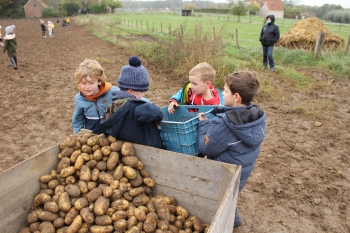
{"x": 40, "y": 1}
{"x": 272, "y": 5}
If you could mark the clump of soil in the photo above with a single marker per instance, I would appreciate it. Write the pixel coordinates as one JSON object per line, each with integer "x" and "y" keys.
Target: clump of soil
{"x": 303, "y": 35}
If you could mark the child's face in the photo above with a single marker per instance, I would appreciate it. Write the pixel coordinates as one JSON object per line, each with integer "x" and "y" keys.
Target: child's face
{"x": 89, "y": 86}
{"x": 229, "y": 98}
{"x": 198, "y": 86}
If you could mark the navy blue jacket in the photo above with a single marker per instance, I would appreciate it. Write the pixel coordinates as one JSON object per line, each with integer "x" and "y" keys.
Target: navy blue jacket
{"x": 233, "y": 136}
{"x": 270, "y": 33}
{"x": 135, "y": 121}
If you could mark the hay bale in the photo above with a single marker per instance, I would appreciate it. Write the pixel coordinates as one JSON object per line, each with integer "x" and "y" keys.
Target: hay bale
{"x": 303, "y": 35}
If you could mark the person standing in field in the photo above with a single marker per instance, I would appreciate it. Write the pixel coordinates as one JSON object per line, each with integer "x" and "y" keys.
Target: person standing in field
{"x": 270, "y": 34}
{"x": 43, "y": 28}
{"x": 11, "y": 45}
{"x": 49, "y": 28}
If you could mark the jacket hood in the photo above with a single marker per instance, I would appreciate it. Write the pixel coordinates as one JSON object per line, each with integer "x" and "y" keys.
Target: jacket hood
{"x": 247, "y": 123}
{"x": 272, "y": 17}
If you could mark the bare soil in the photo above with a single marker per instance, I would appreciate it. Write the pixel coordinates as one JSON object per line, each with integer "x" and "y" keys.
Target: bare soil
{"x": 301, "y": 179}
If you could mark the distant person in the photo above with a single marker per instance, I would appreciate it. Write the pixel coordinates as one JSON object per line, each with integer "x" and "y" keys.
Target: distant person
{"x": 58, "y": 22}
{"x": 235, "y": 134}
{"x": 1, "y": 44}
{"x": 67, "y": 21}
{"x": 199, "y": 90}
{"x": 10, "y": 45}
{"x": 43, "y": 28}
{"x": 49, "y": 28}
{"x": 64, "y": 22}
{"x": 269, "y": 35}
{"x": 53, "y": 26}
{"x": 95, "y": 93}
{"x": 129, "y": 117}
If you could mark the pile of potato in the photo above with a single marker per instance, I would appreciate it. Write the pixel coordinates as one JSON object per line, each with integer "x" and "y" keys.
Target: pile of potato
{"x": 100, "y": 186}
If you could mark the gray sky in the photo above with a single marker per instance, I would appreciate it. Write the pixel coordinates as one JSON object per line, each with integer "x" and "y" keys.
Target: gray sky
{"x": 343, "y": 3}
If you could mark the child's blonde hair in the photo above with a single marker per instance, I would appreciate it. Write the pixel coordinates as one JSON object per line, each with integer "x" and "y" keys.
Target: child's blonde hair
{"x": 90, "y": 68}
{"x": 205, "y": 71}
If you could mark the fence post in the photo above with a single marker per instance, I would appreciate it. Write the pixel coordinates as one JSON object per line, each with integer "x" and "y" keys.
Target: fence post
{"x": 147, "y": 25}
{"x": 169, "y": 28}
{"x": 237, "y": 45}
{"x": 319, "y": 44}
{"x": 347, "y": 47}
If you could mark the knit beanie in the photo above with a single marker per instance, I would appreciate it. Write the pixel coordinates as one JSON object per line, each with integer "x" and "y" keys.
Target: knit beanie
{"x": 9, "y": 29}
{"x": 133, "y": 76}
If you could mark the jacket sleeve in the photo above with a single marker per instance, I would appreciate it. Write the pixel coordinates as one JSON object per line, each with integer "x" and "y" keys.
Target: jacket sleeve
{"x": 277, "y": 34}
{"x": 6, "y": 44}
{"x": 177, "y": 96}
{"x": 211, "y": 141}
{"x": 261, "y": 34}
{"x": 78, "y": 118}
{"x": 147, "y": 113}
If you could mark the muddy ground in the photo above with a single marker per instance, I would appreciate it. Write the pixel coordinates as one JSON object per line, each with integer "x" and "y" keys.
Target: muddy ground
{"x": 301, "y": 179}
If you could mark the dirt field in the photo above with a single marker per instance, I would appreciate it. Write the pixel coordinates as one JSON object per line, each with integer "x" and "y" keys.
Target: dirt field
{"x": 301, "y": 179}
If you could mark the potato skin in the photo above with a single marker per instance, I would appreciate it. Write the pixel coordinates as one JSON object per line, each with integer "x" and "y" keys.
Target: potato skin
{"x": 73, "y": 190}
{"x": 72, "y": 213}
{"x": 33, "y": 216}
{"x": 103, "y": 220}
{"x": 64, "y": 202}
{"x": 131, "y": 161}
{"x": 101, "y": 229}
{"x": 112, "y": 160}
{"x": 46, "y": 227}
{"x": 51, "y": 206}
{"x": 94, "y": 194}
{"x": 140, "y": 200}
{"x": 76, "y": 224}
{"x": 127, "y": 149}
{"x": 118, "y": 215}
{"x": 41, "y": 198}
{"x": 120, "y": 204}
{"x": 101, "y": 205}
{"x": 87, "y": 215}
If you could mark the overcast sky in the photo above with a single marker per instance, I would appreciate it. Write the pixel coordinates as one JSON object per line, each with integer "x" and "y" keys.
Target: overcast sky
{"x": 343, "y": 3}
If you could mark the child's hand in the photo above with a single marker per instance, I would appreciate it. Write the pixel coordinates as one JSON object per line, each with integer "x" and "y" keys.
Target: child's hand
{"x": 171, "y": 109}
{"x": 201, "y": 116}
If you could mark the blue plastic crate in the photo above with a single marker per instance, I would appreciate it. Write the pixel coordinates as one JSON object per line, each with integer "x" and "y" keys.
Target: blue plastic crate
{"x": 179, "y": 130}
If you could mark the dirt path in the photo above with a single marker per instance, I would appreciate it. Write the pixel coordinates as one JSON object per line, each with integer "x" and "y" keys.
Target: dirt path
{"x": 300, "y": 182}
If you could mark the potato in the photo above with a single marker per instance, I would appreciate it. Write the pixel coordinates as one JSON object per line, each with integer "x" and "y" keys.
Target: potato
{"x": 72, "y": 213}
{"x": 96, "y": 147}
{"x": 105, "y": 178}
{"x": 101, "y": 205}
{"x": 116, "y": 194}
{"x": 106, "y": 150}
{"x": 103, "y": 141}
{"x": 91, "y": 185}
{"x": 67, "y": 152}
{"x": 148, "y": 190}
{"x": 43, "y": 186}
{"x": 172, "y": 209}
{"x": 111, "y": 139}
{"x": 70, "y": 180}
{"x": 150, "y": 223}
{"x": 76, "y": 224}
{"x": 46, "y": 227}
{"x": 91, "y": 164}
{"x": 51, "y": 207}
{"x": 59, "y": 190}
{"x": 73, "y": 190}
{"x": 129, "y": 172}
{"x": 101, "y": 165}
{"x": 180, "y": 211}
{"x": 173, "y": 229}
{"x": 110, "y": 212}
{"x": 136, "y": 191}
{"x": 94, "y": 194}
{"x": 140, "y": 214}
{"x": 118, "y": 172}
{"x": 94, "y": 174}
{"x": 120, "y": 224}
{"x": 24, "y": 230}
{"x": 64, "y": 202}
{"x": 139, "y": 166}
{"x": 145, "y": 173}
{"x": 34, "y": 226}
{"x": 46, "y": 178}
{"x": 85, "y": 174}
{"x": 103, "y": 220}
{"x": 47, "y": 191}
{"x": 115, "y": 184}
{"x": 127, "y": 196}
{"x": 137, "y": 181}
{"x": 79, "y": 162}
{"x": 197, "y": 225}
{"x": 81, "y": 203}
{"x": 161, "y": 208}
{"x": 33, "y": 216}
{"x": 59, "y": 222}
{"x": 63, "y": 163}
{"x": 41, "y": 198}
{"x": 130, "y": 161}
{"x": 112, "y": 160}
{"x": 101, "y": 229}
{"x": 149, "y": 182}
{"x": 140, "y": 200}
{"x": 47, "y": 216}
{"x": 120, "y": 204}
{"x": 117, "y": 215}
{"x": 107, "y": 191}
{"x": 97, "y": 155}
{"x": 127, "y": 149}
{"x": 85, "y": 227}
{"x": 74, "y": 156}
{"x": 134, "y": 229}
{"x": 124, "y": 180}
{"x": 87, "y": 215}
{"x": 178, "y": 224}
{"x": 92, "y": 140}
{"x": 82, "y": 185}
{"x": 116, "y": 146}
{"x": 150, "y": 206}
{"x": 125, "y": 187}
{"x": 68, "y": 171}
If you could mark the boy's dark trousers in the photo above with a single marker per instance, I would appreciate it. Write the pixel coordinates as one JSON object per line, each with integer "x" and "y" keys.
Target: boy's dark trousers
{"x": 14, "y": 62}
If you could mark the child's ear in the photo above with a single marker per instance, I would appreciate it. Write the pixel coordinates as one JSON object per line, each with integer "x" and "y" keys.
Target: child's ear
{"x": 208, "y": 83}
{"x": 238, "y": 98}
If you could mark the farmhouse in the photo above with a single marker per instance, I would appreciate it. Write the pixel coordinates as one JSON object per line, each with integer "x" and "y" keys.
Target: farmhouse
{"x": 270, "y": 7}
{"x": 34, "y": 8}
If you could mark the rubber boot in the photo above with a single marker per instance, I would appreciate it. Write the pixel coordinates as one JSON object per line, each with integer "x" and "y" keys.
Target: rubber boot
{"x": 238, "y": 221}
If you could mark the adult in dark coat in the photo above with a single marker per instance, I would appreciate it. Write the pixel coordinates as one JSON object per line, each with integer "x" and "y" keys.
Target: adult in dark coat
{"x": 270, "y": 34}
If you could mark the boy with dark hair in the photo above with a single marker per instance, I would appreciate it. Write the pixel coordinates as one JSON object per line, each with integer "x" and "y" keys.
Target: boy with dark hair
{"x": 235, "y": 134}
{"x": 130, "y": 117}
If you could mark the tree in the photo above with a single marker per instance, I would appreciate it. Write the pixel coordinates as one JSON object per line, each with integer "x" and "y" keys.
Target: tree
{"x": 253, "y": 8}
{"x": 239, "y": 9}
{"x": 290, "y": 3}
{"x": 114, "y": 4}
{"x": 189, "y": 6}
{"x": 72, "y": 6}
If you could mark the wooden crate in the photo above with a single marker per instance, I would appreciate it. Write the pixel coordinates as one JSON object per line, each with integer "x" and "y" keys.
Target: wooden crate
{"x": 207, "y": 189}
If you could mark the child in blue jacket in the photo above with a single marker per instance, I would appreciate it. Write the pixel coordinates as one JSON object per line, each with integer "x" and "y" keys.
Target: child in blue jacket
{"x": 93, "y": 98}
{"x": 130, "y": 117}
{"x": 235, "y": 134}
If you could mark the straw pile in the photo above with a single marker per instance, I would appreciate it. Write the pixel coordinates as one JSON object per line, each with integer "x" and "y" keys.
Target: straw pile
{"x": 303, "y": 35}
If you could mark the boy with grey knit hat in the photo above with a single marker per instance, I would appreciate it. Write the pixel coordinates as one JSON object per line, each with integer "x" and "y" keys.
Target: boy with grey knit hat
{"x": 11, "y": 45}
{"x": 130, "y": 117}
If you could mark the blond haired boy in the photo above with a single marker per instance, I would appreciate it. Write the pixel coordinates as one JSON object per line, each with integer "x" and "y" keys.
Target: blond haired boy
{"x": 199, "y": 90}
